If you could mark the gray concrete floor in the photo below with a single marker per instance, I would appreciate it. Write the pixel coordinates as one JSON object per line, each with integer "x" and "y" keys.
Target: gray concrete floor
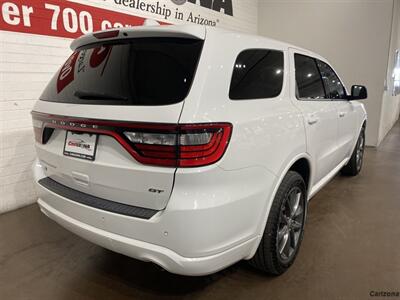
{"x": 351, "y": 246}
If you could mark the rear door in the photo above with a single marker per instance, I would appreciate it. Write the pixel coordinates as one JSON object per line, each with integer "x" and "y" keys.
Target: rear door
{"x": 347, "y": 118}
{"x": 105, "y": 96}
{"x": 320, "y": 114}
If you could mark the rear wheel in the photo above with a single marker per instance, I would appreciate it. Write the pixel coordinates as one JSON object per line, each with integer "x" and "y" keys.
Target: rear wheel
{"x": 354, "y": 165}
{"x": 284, "y": 229}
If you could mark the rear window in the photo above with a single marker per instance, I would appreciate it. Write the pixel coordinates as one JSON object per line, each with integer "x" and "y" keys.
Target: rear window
{"x": 257, "y": 74}
{"x": 145, "y": 71}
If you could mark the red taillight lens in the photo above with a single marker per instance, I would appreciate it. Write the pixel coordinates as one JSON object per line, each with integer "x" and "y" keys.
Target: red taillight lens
{"x": 196, "y": 152}
{"x": 169, "y": 145}
{"x": 185, "y": 146}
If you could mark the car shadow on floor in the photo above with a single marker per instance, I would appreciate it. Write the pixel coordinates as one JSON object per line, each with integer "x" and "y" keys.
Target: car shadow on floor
{"x": 155, "y": 281}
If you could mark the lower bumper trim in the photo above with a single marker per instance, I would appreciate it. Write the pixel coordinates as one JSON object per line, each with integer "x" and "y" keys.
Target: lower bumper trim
{"x": 95, "y": 202}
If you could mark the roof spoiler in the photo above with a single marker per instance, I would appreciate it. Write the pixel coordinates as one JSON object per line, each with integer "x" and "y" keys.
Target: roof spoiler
{"x": 149, "y": 30}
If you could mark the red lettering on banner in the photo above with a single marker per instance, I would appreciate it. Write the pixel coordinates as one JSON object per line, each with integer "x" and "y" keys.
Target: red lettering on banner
{"x": 67, "y": 72}
{"x": 60, "y": 18}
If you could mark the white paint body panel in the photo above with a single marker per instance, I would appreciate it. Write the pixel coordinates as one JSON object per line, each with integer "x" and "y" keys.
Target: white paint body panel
{"x": 214, "y": 216}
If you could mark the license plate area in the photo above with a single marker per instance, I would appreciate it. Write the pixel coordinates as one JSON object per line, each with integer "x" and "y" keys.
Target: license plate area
{"x": 80, "y": 145}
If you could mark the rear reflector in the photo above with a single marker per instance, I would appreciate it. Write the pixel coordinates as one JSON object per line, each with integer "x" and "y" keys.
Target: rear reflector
{"x": 169, "y": 145}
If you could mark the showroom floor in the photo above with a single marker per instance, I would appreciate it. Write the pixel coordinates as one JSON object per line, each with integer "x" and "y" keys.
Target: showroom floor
{"x": 351, "y": 247}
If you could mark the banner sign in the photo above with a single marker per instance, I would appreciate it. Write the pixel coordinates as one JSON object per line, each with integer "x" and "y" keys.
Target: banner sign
{"x": 60, "y": 18}
{"x": 72, "y": 19}
{"x": 223, "y": 6}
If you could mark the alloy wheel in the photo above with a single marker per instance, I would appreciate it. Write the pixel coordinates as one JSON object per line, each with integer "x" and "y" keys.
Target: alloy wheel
{"x": 291, "y": 221}
{"x": 360, "y": 151}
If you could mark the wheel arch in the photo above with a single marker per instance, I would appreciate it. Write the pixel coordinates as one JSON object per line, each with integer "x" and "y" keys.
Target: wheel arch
{"x": 303, "y": 167}
{"x": 361, "y": 126}
{"x": 299, "y": 163}
{"x": 364, "y": 124}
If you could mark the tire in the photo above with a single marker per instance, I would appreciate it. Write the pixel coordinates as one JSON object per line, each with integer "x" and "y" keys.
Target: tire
{"x": 270, "y": 258}
{"x": 354, "y": 166}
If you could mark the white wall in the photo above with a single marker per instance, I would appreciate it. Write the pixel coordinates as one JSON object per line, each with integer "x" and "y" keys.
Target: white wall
{"x": 354, "y": 35}
{"x": 391, "y": 105}
{"x": 27, "y": 62}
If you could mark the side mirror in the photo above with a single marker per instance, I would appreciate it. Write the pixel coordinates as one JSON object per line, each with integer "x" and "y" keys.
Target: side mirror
{"x": 358, "y": 92}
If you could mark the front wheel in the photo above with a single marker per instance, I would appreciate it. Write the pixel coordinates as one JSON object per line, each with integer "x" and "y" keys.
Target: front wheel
{"x": 354, "y": 165}
{"x": 284, "y": 229}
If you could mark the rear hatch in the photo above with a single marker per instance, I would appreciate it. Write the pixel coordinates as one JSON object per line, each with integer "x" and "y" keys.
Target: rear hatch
{"x": 109, "y": 95}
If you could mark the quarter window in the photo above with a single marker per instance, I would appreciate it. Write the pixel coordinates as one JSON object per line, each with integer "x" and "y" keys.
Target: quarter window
{"x": 308, "y": 79}
{"x": 333, "y": 86}
{"x": 257, "y": 73}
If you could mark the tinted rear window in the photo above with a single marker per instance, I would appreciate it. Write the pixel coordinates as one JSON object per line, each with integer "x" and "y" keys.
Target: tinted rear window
{"x": 258, "y": 73}
{"x": 146, "y": 71}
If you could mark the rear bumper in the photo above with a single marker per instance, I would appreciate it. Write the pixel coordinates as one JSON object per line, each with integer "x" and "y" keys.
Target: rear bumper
{"x": 205, "y": 227}
{"x": 163, "y": 257}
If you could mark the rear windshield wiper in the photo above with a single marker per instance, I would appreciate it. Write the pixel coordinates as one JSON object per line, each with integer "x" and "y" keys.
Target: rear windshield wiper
{"x": 98, "y": 96}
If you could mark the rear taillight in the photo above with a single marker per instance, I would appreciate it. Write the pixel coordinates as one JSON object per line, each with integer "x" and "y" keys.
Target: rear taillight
{"x": 106, "y": 34}
{"x": 169, "y": 145}
{"x": 184, "y": 146}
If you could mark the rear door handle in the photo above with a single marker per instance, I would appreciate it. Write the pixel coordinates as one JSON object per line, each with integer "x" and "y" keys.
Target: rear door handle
{"x": 312, "y": 119}
{"x": 342, "y": 114}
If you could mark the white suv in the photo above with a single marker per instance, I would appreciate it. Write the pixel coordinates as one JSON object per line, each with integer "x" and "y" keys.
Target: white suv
{"x": 192, "y": 147}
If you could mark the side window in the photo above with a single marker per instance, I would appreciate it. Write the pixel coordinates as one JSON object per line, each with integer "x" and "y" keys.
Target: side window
{"x": 308, "y": 79}
{"x": 258, "y": 73}
{"x": 333, "y": 86}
